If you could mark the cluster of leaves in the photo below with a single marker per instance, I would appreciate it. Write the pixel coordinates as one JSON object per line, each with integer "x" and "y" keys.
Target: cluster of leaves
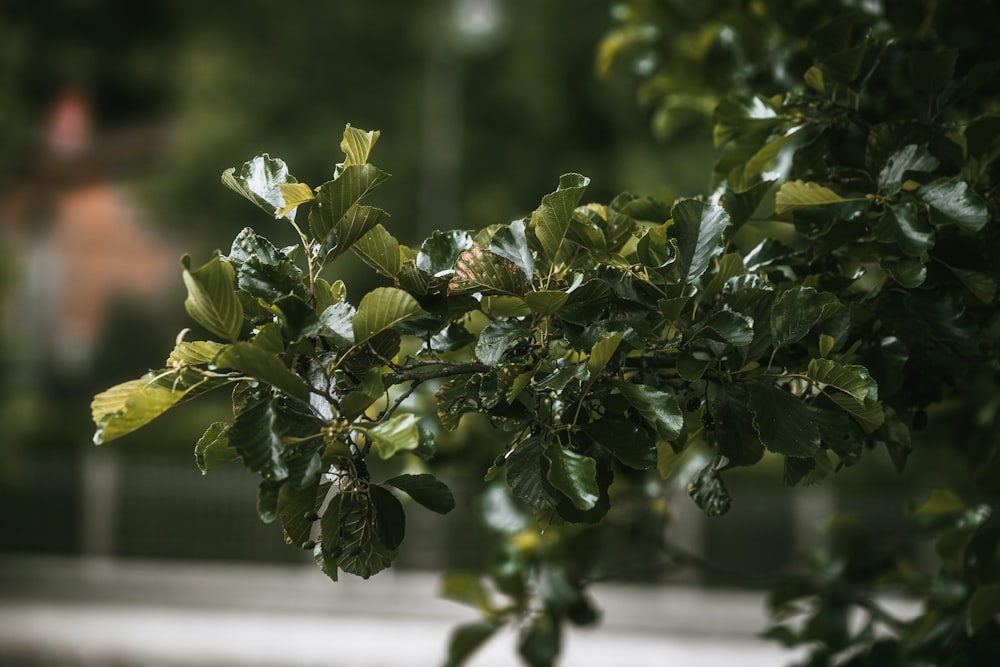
{"x": 839, "y": 278}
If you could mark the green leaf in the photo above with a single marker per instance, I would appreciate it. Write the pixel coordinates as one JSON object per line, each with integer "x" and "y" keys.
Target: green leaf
{"x": 262, "y": 269}
{"x": 575, "y": 475}
{"x": 551, "y": 220}
{"x": 129, "y": 406}
{"x": 213, "y": 448}
{"x": 267, "y": 501}
{"x": 940, "y": 502}
{"x": 903, "y": 224}
{"x": 382, "y": 309}
{"x": 709, "y": 492}
{"x": 467, "y": 639}
{"x": 870, "y": 417}
{"x": 911, "y": 157}
{"x": 698, "y": 228}
{"x": 338, "y": 321}
{"x": 602, "y": 351}
{"x": 527, "y": 474}
{"x": 337, "y": 207}
{"x": 511, "y": 242}
{"x": 953, "y": 203}
{"x": 294, "y": 195}
{"x": 798, "y": 310}
{"x": 397, "y": 434}
{"x": 982, "y": 608}
{"x": 260, "y": 180}
{"x": 390, "y": 520}
{"x": 193, "y": 353}
{"x": 626, "y": 441}
{"x": 380, "y": 250}
{"x": 546, "y": 302}
{"x": 541, "y": 641}
{"x": 931, "y": 71}
{"x": 438, "y": 253}
{"x": 727, "y": 326}
{"x": 657, "y": 407}
{"x": 259, "y": 447}
{"x": 265, "y": 366}
{"x": 800, "y": 194}
{"x": 426, "y": 490}
{"x": 298, "y": 509}
{"x": 850, "y": 379}
{"x": 211, "y": 299}
{"x": 981, "y": 285}
{"x": 563, "y": 374}
{"x": 656, "y": 249}
{"x": 734, "y": 433}
{"x": 909, "y": 273}
{"x": 783, "y": 422}
{"x": 358, "y": 545}
{"x": 478, "y": 270}
{"x": 356, "y": 144}
{"x": 498, "y": 337}
{"x": 730, "y": 266}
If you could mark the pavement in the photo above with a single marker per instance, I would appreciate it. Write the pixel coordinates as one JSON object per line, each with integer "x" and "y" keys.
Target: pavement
{"x": 90, "y": 612}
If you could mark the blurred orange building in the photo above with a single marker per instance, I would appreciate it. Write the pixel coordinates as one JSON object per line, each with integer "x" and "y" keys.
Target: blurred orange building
{"x": 78, "y": 243}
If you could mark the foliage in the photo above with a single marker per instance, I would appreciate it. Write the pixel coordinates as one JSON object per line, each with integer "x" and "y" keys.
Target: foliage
{"x": 839, "y": 280}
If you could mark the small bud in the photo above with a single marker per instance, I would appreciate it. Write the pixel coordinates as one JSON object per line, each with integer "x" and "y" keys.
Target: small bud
{"x": 310, "y": 516}
{"x": 308, "y": 545}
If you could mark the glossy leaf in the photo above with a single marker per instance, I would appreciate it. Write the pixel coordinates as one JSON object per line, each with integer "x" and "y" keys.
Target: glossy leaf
{"x": 260, "y": 180}
{"x": 911, "y": 157}
{"x": 551, "y": 220}
{"x": 380, "y": 250}
{"x": 575, "y": 475}
{"x": 511, "y": 242}
{"x": 262, "y": 269}
{"x": 390, "y": 520}
{"x": 382, "y": 309}
{"x": 338, "y": 322}
{"x": 697, "y": 229}
{"x": 211, "y": 299}
{"x": 903, "y": 224}
{"x": 659, "y": 408}
{"x": 258, "y": 446}
{"x": 951, "y": 202}
{"x": 783, "y": 422}
{"x": 727, "y": 326}
{"x": 498, "y": 337}
{"x": 265, "y": 366}
{"x": 438, "y": 253}
{"x": 709, "y": 492}
{"x": 625, "y": 441}
{"x": 426, "y": 490}
{"x": 798, "y": 310}
{"x": 527, "y": 470}
{"x": 397, "y": 434}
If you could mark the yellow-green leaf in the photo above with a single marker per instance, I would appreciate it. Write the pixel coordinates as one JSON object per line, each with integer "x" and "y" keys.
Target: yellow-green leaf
{"x": 128, "y": 406}
{"x": 381, "y": 309}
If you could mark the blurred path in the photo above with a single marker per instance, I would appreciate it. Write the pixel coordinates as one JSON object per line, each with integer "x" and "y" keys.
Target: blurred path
{"x": 68, "y": 611}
